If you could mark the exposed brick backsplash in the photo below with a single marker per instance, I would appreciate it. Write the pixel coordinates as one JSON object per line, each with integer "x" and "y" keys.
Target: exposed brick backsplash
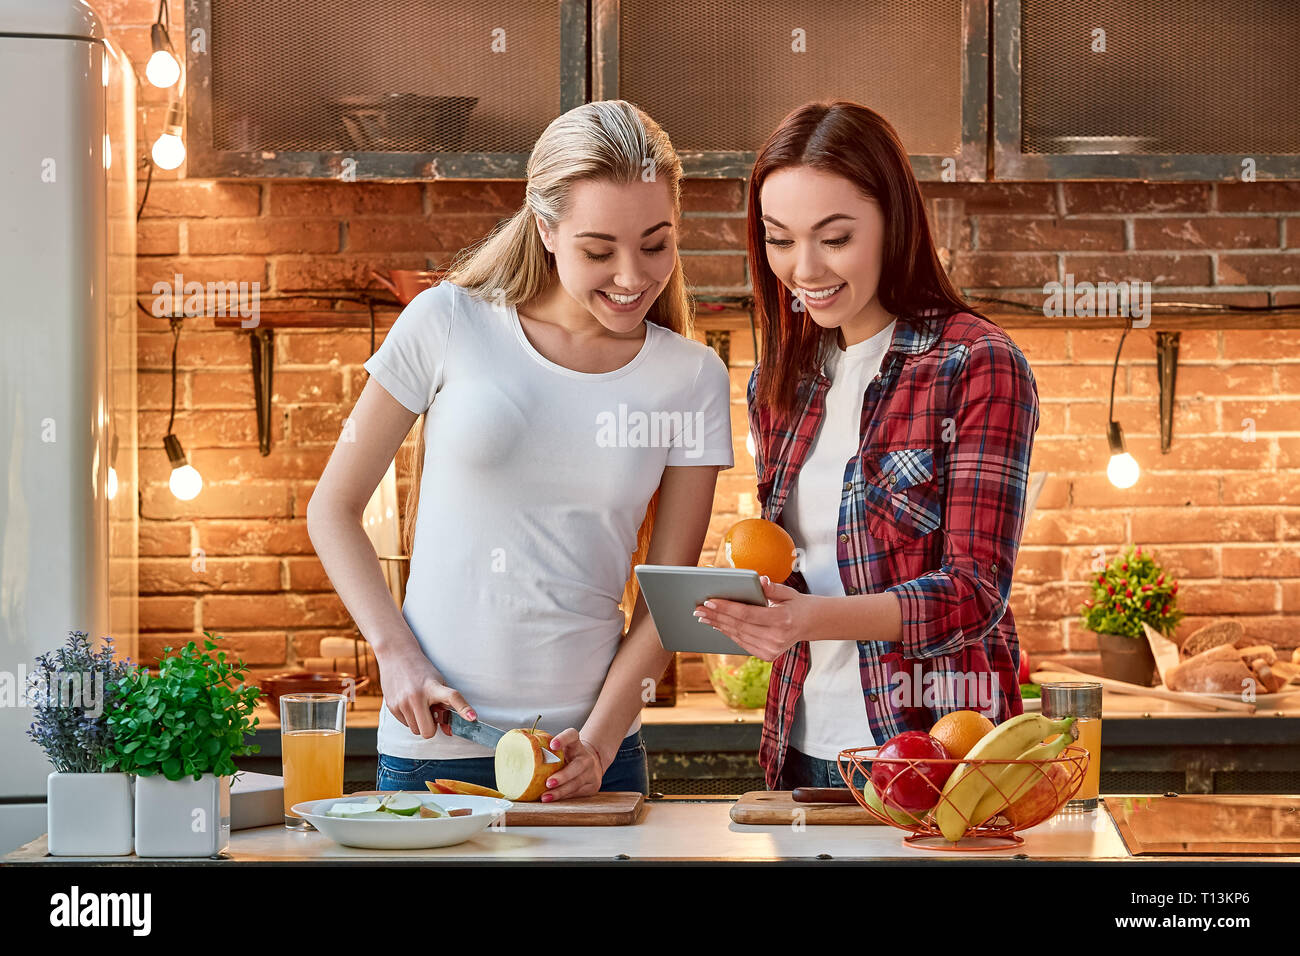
{"x": 1222, "y": 513}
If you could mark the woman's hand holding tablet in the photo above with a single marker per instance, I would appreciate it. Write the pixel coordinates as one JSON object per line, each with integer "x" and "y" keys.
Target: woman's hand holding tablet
{"x": 765, "y": 632}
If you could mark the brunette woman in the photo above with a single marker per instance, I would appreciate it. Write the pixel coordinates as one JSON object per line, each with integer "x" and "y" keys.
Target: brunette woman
{"x": 893, "y": 427}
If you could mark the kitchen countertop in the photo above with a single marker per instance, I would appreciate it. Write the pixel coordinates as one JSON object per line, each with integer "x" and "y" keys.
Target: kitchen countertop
{"x": 683, "y": 830}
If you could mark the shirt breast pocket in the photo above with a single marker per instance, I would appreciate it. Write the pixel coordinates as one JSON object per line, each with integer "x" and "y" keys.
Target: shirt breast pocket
{"x": 901, "y": 494}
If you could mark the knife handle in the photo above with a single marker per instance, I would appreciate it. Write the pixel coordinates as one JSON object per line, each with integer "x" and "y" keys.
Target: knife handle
{"x": 823, "y": 795}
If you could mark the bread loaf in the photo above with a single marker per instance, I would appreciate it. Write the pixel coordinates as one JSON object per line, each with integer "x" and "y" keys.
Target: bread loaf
{"x": 1212, "y": 635}
{"x": 1219, "y": 670}
{"x": 1268, "y": 682}
{"x": 1255, "y": 651}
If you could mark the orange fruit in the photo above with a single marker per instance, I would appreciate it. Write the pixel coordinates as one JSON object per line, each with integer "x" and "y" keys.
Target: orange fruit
{"x": 758, "y": 545}
{"x": 960, "y": 730}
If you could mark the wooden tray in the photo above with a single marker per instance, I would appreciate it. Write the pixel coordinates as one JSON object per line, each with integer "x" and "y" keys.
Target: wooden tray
{"x": 768, "y": 807}
{"x": 613, "y": 809}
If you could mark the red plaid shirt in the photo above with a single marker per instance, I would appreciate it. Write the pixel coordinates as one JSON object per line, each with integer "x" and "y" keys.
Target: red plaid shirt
{"x": 933, "y": 511}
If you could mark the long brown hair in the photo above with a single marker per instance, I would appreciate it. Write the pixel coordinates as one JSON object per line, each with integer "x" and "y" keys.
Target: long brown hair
{"x": 852, "y": 141}
{"x": 608, "y": 140}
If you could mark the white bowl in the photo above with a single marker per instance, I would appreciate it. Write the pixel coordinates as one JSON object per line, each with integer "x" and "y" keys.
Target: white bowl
{"x": 415, "y": 833}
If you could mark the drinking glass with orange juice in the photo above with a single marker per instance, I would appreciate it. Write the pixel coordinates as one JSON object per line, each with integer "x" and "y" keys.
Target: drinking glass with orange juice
{"x": 1082, "y": 700}
{"x": 311, "y": 742}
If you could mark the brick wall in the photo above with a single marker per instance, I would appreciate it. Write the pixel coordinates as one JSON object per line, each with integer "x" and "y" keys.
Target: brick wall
{"x": 1221, "y": 512}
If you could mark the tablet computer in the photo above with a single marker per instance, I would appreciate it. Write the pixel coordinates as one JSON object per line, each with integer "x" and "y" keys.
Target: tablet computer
{"x": 672, "y": 592}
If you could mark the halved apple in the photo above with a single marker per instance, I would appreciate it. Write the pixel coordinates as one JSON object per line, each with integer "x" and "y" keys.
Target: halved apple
{"x": 524, "y": 761}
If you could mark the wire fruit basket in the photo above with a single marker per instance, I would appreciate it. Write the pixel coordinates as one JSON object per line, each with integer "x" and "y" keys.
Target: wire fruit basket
{"x": 994, "y": 800}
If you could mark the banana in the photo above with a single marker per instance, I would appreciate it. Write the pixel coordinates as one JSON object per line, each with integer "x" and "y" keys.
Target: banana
{"x": 968, "y": 785}
{"x": 1013, "y": 780}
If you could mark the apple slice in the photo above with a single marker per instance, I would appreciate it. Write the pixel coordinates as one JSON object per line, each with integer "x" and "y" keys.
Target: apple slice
{"x": 403, "y": 804}
{"x": 523, "y": 764}
{"x": 461, "y": 787}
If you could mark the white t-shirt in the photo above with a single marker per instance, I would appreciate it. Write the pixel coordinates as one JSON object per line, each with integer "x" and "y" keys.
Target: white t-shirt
{"x": 536, "y": 479}
{"x": 831, "y": 714}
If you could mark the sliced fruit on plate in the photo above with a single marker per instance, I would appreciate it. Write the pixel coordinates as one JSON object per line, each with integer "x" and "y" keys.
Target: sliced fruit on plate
{"x": 352, "y": 809}
{"x": 460, "y": 786}
{"x": 404, "y": 805}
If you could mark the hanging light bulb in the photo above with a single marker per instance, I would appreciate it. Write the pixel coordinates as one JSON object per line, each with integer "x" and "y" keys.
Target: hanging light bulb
{"x": 111, "y": 489}
{"x": 1122, "y": 469}
{"x": 163, "y": 69}
{"x": 169, "y": 149}
{"x": 185, "y": 481}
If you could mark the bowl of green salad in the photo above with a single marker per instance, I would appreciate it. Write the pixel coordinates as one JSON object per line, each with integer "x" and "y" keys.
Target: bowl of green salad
{"x": 739, "y": 680}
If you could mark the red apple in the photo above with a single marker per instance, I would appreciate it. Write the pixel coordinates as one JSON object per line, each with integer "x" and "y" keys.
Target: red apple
{"x": 912, "y": 788}
{"x": 1038, "y": 802}
{"x": 1024, "y": 666}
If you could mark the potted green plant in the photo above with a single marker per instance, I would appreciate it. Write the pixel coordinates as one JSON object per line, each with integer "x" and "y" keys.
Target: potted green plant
{"x": 88, "y": 806}
{"x": 178, "y": 732}
{"x": 1131, "y": 590}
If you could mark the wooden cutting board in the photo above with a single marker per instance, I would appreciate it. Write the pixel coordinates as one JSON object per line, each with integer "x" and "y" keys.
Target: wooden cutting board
{"x": 614, "y": 809}
{"x": 768, "y": 807}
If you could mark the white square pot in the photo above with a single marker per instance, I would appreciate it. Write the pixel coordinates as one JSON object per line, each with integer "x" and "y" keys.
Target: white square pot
{"x": 88, "y": 814}
{"x": 185, "y": 817}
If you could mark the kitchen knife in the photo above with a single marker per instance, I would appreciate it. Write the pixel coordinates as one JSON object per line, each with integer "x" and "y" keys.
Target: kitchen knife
{"x": 822, "y": 795}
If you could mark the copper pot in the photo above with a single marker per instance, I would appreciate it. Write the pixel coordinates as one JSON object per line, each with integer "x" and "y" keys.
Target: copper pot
{"x": 308, "y": 682}
{"x": 406, "y": 284}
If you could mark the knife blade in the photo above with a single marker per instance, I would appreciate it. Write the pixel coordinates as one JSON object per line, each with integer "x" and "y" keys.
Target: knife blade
{"x": 476, "y": 730}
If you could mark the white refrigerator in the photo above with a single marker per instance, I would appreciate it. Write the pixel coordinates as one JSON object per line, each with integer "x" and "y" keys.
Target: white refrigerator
{"x": 69, "y": 491}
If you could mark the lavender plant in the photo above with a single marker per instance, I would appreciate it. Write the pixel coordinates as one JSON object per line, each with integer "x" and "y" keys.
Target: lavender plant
{"x": 72, "y": 691}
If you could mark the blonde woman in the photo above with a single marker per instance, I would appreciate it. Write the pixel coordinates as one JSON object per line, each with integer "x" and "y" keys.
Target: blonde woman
{"x": 572, "y": 429}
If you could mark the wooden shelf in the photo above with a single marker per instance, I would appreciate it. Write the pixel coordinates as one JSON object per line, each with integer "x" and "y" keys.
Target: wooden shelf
{"x": 1160, "y": 321}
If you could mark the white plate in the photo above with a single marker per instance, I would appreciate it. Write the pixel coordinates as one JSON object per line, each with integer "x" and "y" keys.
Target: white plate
{"x": 1032, "y": 705}
{"x": 416, "y": 833}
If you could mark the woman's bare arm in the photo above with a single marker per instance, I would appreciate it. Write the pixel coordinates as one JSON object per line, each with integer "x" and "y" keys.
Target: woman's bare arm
{"x": 685, "y": 506}
{"x": 379, "y": 424}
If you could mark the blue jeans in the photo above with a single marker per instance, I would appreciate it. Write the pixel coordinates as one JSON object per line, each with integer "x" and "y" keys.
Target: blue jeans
{"x": 802, "y": 770}
{"x": 629, "y": 771}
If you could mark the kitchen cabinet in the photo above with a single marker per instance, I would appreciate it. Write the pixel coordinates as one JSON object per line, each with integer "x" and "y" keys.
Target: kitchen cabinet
{"x": 340, "y": 90}
{"x": 1110, "y": 89}
{"x": 720, "y": 79}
